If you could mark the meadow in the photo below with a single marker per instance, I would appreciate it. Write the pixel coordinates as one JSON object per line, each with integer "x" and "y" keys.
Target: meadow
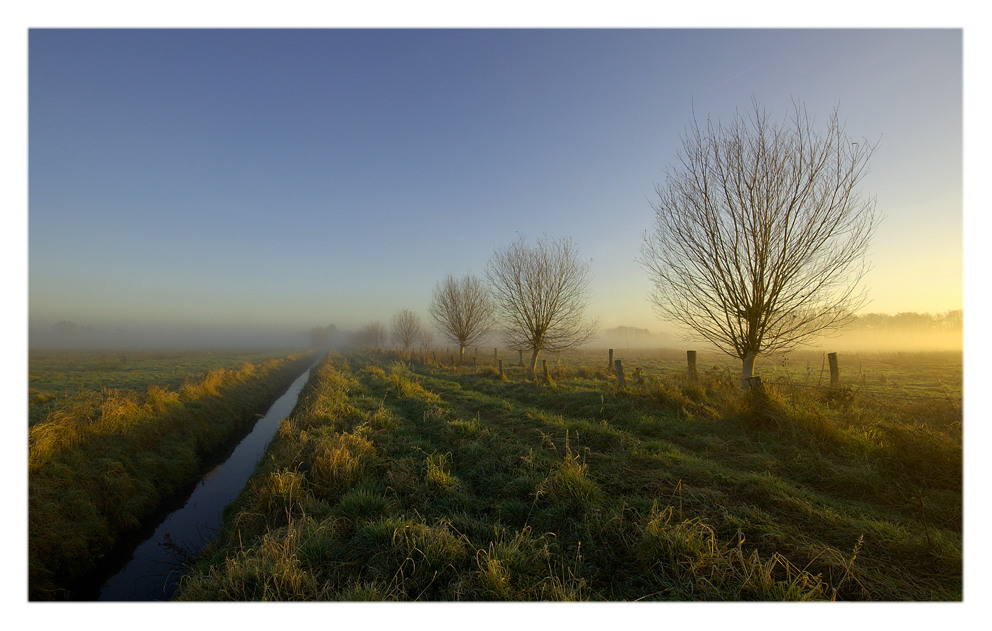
{"x": 101, "y": 462}
{"x": 403, "y": 477}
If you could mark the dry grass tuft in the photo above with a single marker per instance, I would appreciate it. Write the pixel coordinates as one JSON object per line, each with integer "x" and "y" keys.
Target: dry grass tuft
{"x": 338, "y": 462}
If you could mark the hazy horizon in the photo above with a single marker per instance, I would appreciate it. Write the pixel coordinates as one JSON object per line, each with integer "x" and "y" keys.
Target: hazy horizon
{"x": 145, "y": 337}
{"x": 262, "y": 182}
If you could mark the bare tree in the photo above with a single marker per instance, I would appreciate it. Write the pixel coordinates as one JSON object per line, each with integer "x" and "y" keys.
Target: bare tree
{"x": 541, "y": 294}
{"x": 426, "y": 337}
{"x": 372, "y": 335}
{"x": 462, "y": 310}
{"x": 761, "y": 235}
{"x": 407, "y": 329}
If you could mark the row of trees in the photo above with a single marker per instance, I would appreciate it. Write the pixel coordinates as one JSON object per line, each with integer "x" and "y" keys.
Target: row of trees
{"x": 759, "y": 243}
{"x": 533, "y": 295}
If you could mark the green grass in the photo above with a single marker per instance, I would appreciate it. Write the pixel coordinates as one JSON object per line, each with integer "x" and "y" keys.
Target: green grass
{"x": 414, "y": 481}
{"x": 103, "y": 462}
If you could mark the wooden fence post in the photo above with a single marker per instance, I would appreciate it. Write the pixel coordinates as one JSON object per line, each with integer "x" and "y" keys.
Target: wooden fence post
{"x": 547, "y": 374}
{"x": 610, "y": 365}
{"x": 619, "y": 369}
{"x": 521, "y": 357}
{"x": 500, "y": 368}
{"x": 691, "y": 357}
{"x": 834, "y": 371}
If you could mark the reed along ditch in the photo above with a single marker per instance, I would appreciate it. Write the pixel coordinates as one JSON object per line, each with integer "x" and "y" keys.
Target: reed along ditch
{"x": 153, "y": 569}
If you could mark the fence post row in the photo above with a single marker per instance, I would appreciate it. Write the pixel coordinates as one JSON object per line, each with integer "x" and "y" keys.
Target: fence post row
{"x": 617, "y": 366}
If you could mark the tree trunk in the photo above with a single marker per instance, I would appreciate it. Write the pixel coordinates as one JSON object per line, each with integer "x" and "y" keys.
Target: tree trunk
{"x": 747, "y": 369}
{"x": 533, "y": 361}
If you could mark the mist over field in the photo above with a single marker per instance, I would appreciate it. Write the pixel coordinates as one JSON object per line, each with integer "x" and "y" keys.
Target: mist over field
{"x": 146, "y": 336}
{"x": 926, "y": 333}
{"x": 893, "y": 341}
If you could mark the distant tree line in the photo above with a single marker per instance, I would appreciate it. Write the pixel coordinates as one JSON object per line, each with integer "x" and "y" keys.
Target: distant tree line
{"x": 627, "y": 331}
{"x": 946, "y": 321}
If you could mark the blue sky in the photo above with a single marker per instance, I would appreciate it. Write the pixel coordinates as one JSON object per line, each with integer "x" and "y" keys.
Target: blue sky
{"x": 284, "y": 179}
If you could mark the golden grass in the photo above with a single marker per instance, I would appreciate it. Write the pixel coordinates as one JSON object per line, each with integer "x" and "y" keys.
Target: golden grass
{"x": 338, "y": 461}
{"x": 688, "y": 561}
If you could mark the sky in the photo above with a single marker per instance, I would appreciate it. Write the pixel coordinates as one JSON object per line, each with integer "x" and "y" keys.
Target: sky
{"x": 282, "y": 179}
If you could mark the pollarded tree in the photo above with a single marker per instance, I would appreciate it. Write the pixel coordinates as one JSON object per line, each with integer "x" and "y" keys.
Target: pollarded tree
{"x": 407, "y": 329}
{"x": 761, "y": 235}
{"x": 541, "y": 294}
{"x": 462, "y": 310}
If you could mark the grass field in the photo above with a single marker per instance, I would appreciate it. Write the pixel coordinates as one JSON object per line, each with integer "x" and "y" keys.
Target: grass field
{"x": 413, "y": 480}
{"x": 55, "y": 376}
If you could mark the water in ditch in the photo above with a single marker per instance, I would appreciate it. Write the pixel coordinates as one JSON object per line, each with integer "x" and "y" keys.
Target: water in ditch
{"x": 154, "y": 569}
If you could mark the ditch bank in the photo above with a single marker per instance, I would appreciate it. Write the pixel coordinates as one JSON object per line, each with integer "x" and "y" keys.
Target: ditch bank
{"x": 154, "y": 567}
{"x": 92, "y": 501}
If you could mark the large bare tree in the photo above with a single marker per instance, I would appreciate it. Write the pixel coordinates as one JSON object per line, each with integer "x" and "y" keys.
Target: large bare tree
{"x": 541, "y": 293}
{"x": 407, "y": 329}
{"x": 761, "y": 234}
{"x": 462, "y": 310}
